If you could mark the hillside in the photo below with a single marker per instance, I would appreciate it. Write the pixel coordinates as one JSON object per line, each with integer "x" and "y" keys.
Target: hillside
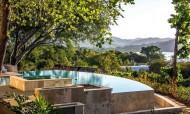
{"x": 166, "y": 46}
{"x": 127, "y": 45}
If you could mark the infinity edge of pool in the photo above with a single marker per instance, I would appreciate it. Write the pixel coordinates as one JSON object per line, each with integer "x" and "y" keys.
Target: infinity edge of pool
{"x": 118, "y": 84}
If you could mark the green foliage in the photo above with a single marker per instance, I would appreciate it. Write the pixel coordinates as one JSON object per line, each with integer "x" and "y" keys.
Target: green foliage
{"x": 135, "y": 73}
{"x": 152, "y": 52}
{"x": 121, "y": 74}
{"x": 185, "y": 69}
{"x": 181, "y": 21}
{"x": 81, "y": 63}
{"x": 43, "y": 106}
{"x": 137, "y": 58}
{"x": 108, "y": 61}
{"x": 183, "y": 93}
{"x": 45, "y": 57}
{"x": 155, "y": 65}
{"x": 25, "y": 106}
{"x": 168, "y": 72}
{"x": 184, "y": 82}
{"x": 34, "y": 23}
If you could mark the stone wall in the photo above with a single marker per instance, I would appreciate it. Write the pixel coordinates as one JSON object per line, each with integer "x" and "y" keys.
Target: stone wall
{"x": 30, "y": 85}
{"x": 166, "y": 107}
{"x": 132, "y": 101}
{"x": 97, "y": 101}
{"x": 60, "y": 95}
{"x": 100, "y": 100}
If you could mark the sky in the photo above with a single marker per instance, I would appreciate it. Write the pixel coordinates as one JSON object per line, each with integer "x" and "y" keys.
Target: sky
{"x": 147, "y": 18}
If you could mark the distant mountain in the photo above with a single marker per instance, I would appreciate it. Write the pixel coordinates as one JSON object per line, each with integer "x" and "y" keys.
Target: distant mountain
{"x": 127, "y": 45}
{"x": 166, "y": 46}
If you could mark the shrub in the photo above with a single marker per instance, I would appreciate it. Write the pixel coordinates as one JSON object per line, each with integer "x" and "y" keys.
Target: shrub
{"x": 25, "y": 106}
{"x": 185, "y": 69}
{"x": 155, "y": 66}
{"x": 135, "y": 73}
{"x": 184, "y": 82}
{"x": 121, "y": 74}
{"x": 183, "y": 93}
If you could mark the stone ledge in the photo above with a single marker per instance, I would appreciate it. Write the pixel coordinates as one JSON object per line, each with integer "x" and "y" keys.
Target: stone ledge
{"x": 30, "y": 85}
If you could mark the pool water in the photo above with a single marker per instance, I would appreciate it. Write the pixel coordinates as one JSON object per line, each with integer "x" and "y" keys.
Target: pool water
{"x": 36, "y": 77}
{"x": 117, "y": 84}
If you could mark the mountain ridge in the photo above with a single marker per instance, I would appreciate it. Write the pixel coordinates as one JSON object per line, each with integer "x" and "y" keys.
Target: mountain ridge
{"x": 126, "y": 45}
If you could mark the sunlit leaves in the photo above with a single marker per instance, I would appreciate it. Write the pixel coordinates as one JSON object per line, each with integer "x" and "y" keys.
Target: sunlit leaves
{"x": 67, "y": 13}
{"x": 181, "y": 20}
{"x": 35, "y": 22}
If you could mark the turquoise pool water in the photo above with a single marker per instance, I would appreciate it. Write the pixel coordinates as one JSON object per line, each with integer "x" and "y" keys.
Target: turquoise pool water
{"x": 117, "y": 84}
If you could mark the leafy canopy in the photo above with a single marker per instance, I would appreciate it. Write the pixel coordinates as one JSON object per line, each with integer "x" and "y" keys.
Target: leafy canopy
{"x": 36, "y": 22}
{"x": 65, "y": 14}
{"x": 181, "y": 21}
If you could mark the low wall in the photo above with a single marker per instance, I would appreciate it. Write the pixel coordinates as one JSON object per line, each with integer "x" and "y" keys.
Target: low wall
{"x": 30, "y": 85}
{"x": 100, "y": 100}
{"x": 132, "y": 101}
{"x": 166, "y": 107}
{"x": 60, "y": 95}
{"x": 97, "y": 101}
{"x": 162, "y": 101}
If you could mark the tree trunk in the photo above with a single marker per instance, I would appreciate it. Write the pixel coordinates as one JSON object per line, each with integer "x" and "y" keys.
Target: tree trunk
{"x": 174, "y": 77}
{"x": 4, "y": 12}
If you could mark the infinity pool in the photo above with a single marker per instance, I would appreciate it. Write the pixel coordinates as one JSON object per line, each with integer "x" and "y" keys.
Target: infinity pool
{"x": 118, "y": 84}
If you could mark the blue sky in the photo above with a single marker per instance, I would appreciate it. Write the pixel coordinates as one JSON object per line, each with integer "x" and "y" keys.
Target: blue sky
{"x": 147, "y": 18}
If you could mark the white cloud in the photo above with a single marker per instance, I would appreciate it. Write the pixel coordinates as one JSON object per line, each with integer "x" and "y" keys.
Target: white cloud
{"x": 145, "y": 19}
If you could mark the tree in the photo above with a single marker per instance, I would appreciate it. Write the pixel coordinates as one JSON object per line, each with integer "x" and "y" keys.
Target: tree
{"x": 108, "y": 61}
{"x": 45, "y": 57}
{"x": 181, "y": 22}
{"x": 155, "y": 65}
{"x": 152, "y": 52}
{"x": 136, "y": 58}
{"x": 34, "y": 22}
{"x": 4, "y": 13}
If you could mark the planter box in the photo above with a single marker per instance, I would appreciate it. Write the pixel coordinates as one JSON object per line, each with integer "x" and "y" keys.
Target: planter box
{"x": 30, "y": 85}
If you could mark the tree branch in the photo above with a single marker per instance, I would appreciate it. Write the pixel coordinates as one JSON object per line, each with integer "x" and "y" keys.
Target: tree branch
{"x": 32, "y": 46}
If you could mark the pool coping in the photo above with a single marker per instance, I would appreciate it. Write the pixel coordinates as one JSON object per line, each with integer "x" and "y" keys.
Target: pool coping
{"x": 7, "y": 74}
{"x": 30, "y": 85}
